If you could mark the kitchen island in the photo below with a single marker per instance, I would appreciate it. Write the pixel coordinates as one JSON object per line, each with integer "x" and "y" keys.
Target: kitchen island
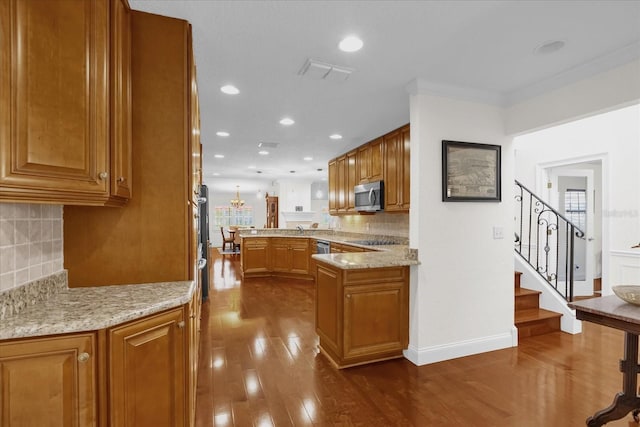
{"x": 362, "y": 291}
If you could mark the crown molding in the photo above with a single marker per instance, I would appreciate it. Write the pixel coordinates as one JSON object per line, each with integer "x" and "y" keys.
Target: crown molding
{"x": 425, "y": 87}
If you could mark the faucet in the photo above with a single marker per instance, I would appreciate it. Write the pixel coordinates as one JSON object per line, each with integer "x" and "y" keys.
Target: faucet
{"x": 300, "y": 229}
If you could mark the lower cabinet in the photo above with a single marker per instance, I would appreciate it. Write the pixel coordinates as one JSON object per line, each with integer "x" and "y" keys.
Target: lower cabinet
{"x": 139, "y": 374}
{"x": 254, "y": 257}
{"x": 49, "y": 381}
{"x": 283, "y": 256}
{"x": 147, "y": 372}
{"x": 362, "y": 315}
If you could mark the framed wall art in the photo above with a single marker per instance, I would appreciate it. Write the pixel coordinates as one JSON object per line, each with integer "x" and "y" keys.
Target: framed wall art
{"x": 470, "y": 172}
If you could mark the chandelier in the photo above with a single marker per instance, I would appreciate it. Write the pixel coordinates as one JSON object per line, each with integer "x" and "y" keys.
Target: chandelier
{"x": 237, "y": 202}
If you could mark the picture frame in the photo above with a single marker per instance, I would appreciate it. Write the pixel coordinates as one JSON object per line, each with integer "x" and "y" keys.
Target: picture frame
{"x": 471, "y": 172}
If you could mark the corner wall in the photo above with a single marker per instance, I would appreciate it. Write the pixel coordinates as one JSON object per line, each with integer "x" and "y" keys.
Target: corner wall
{"x": 462, "y": 293}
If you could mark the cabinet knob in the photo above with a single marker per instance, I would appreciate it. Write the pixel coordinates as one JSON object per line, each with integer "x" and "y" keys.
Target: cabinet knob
{"x": 103, "y": 175}
{"x": 83, "y": 357}
{"x": 348, "y": 295}
{"x": 122, "y": 179}
{"x": 181, "y": 324}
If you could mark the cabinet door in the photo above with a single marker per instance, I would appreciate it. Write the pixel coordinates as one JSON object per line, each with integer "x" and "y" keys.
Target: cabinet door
{"x": 54, "y": 100}
{"x": 375, "y": 319}
{"x": 299, "y": 255}
{"x": 255, "y": 255}
{"x": 48, "y": 382}
{"x": 350, "y": 181}
{"x": 333, "y": 187}
{"x": 280, "y": 256}
{"x": 406, "y": 167}
{"x": 362, "y": 164}
{"x": 121, "y": 160}
{"x": 392, "y": 171}
{"x": 147, "y": 372}
{"x": 328, "y": 307}
{"x": 341, "y": 168}
{"x": 376, "y": 160}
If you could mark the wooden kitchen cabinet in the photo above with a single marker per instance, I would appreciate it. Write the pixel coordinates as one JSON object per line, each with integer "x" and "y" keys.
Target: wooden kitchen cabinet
{"x": 276, "y": 256}
{"x": 362, "y": 315}
{"x": 272, "y": 211}
{"x": 254, "y": 258}
{"x": 350, "y": 180}
{"x": 370, "y": 162}
{"x": 147, "y": 372}
{"x": 154, "y": 239}
{"x": 341, "y": 169}
{"x": 290, "y": 255}
{"x": 121, "y": 175}
{"x": 397, "y": 170}
{"x": 333, "y": 186}
{"x": 65, "y": 114}
{"x": 49, "y": 381}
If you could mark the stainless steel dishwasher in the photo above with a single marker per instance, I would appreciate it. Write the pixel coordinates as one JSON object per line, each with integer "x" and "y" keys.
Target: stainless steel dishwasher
{"x": 323, "y": 247}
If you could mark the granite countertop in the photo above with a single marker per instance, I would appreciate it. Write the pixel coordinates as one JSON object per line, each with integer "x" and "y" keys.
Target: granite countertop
{"x": 93, "y": 308}
{"x": 389, "y": 257}
{"x": 380, "y": 256}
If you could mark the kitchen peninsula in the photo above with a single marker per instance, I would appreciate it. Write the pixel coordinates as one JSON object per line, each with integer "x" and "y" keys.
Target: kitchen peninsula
{"x": 362, "y": 291}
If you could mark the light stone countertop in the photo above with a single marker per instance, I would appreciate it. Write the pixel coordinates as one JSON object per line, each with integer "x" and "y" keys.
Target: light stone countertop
{"x": 390, "y": 256}
{"x": 93, "y": 308}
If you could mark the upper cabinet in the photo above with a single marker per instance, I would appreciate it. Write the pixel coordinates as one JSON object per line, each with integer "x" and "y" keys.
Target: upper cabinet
{"x": 370, "y": 162}
{"x": 397, "y": 170}
{"x": 65, "y": 121}
{"x": 386, "y": 158}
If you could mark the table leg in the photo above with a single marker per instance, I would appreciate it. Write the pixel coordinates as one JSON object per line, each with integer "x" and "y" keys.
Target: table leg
{"x": 628, "y": 400}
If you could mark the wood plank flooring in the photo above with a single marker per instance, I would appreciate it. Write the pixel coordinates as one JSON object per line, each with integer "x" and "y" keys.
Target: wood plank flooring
{"x": 260, "y": 366}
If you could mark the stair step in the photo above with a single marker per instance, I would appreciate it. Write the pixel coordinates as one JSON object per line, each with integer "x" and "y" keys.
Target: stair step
{"x": 536, "y": 321}
{"x": 516, "y": 279}
{"x": 526, "y": 299}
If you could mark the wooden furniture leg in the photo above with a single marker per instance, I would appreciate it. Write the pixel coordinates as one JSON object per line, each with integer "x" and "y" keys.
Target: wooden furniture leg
{"x": 628, "y": 399}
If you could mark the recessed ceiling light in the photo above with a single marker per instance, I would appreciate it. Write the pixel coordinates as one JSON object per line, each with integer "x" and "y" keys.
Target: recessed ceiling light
{"x": 287, "y": 121}
{"x": 219, "y": 156}
{"x": 335, "y": 136}
{"x": 229, "y": 90}
{"x": 319, "y": 169}
{"x": 308, "y": 159}
{"x": 292, "y": 171}
{"x": 215, "y": 174}
{"x": 251, "y": 167}
{"x": 258, "y": 171}
{"x": 263, "y": 152}
{"x": 222, "y": 133}
{"x": 350, "y": 44}
{"x": 549, "y": 47}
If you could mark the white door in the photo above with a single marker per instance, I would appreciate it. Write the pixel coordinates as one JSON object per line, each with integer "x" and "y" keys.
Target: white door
{"x": 571, "y": 192}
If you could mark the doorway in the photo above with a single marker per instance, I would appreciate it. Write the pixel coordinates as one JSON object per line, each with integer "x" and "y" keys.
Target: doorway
{"x": 575, "y": 190}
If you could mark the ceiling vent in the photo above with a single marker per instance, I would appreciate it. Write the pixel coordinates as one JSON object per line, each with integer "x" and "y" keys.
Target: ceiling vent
{"x": 268, "y": 144}
{"x": 324, "y": 71}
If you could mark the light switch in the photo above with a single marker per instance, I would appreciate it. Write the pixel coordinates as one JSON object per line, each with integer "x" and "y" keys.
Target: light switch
{"x": 498, "y": 233}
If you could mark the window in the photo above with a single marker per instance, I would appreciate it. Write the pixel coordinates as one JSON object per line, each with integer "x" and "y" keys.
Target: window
{"x": 575, "y": 207}
{"x": 224, "y": 216}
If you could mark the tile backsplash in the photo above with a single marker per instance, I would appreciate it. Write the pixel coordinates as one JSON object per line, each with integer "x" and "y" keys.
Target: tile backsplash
{"x": 382, "y": 223}
{"x": 30, "y": 243}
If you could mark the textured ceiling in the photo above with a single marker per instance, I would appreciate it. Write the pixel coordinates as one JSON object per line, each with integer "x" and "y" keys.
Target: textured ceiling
{"x": 477, "y": 46}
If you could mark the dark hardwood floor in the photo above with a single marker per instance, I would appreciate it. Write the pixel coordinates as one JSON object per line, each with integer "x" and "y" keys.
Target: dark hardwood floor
{"x": 260, "y": 366}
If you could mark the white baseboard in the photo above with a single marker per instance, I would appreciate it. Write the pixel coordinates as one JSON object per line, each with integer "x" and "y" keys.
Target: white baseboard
{"x": 438, "y": 353}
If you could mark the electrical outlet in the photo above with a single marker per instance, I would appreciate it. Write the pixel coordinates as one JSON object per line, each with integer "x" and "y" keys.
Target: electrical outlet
{"x": 498, "y": 233}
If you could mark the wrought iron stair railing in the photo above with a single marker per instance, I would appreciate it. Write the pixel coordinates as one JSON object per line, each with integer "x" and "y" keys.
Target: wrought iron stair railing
{"x": 546, "y": 240}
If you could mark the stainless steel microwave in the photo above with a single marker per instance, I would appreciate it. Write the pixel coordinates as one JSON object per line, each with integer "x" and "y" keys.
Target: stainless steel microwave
{"x": 369, "y": 197}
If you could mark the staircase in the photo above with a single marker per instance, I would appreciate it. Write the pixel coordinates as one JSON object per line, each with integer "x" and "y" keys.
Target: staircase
{"x": 530, "y": 319}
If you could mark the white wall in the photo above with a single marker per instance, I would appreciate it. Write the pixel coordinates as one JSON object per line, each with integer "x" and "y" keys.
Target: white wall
{"x": 462, "y": 293}
{"x": 613, "y": 137}
{"x": 293, "y": 193}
